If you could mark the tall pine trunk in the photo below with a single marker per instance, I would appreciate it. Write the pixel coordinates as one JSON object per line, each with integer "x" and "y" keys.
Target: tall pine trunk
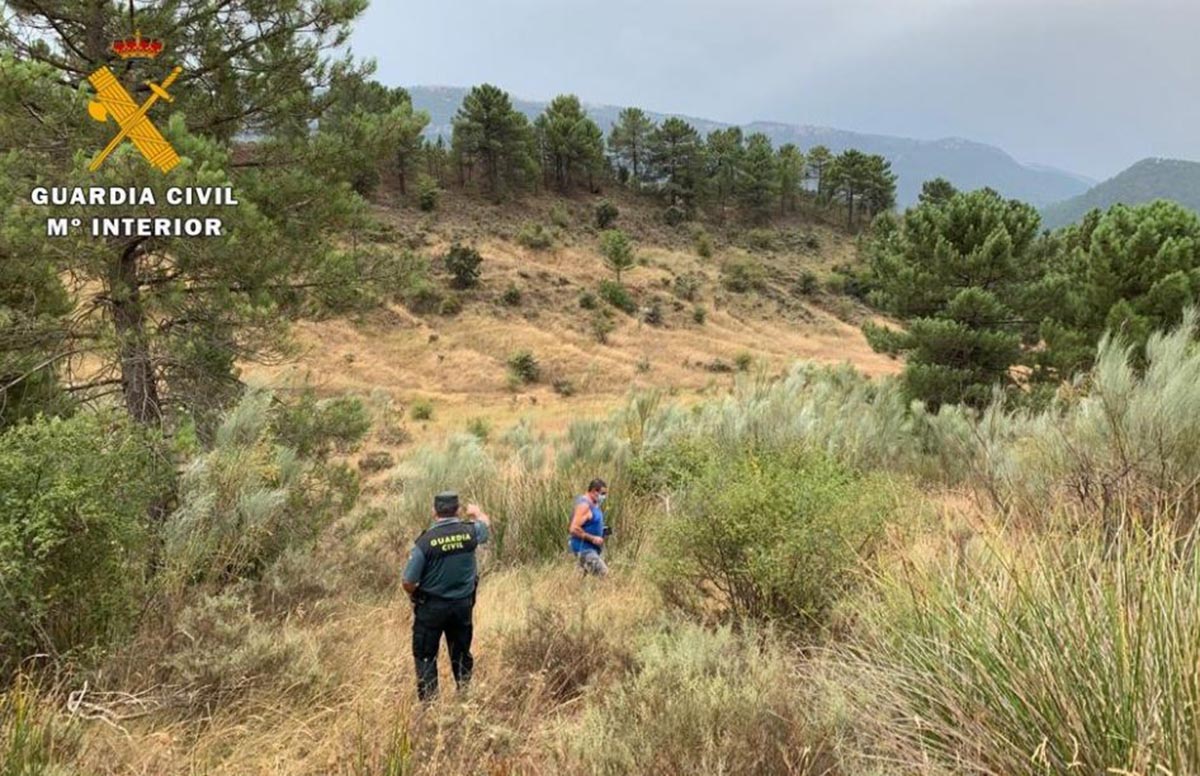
{"x": 139, "y": 385}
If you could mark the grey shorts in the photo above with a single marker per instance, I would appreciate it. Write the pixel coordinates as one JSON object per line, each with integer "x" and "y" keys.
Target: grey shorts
{"x": 591, "y": 563}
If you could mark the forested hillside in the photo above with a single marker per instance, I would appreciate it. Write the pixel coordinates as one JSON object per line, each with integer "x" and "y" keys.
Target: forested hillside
{"x": 1150, "y": 179}
{"x": 964, "y": 163}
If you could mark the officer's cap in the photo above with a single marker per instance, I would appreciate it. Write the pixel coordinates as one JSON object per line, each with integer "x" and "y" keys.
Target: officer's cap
{"x": 445, "y": 503}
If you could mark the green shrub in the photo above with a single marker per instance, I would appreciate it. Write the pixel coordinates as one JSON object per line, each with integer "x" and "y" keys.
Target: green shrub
{"x": 524, "y": 366}
{"x": 559, "y": 216}
{"x": 451, "y": 305}
{"x": 511, "y": 296}
{"x": 563, "y": 387}
{"x": 743, "y": 361}
{"x": 378, "y": 461}
{"x": 742, "y": 273}
{"x": 462, "y": 262}
{"x": 74, "y": 549}
{"x": 762, "y": 239}
{"x": 601, "y": 326}
{"x": 1020, "y": 638}
{"x": 565, "y": 651}
{"x": 699, "y": 314}
{"x": 480, "y": 428}
{"x": 769, "y": 535}
{"x": 314, "y": 428}
{"x": 422, "y": 297}
{"x": 617, "y": 251}
{"x": 535, "y": 237}
{"x": 674, "y": 215}
{"x": 587, "y": 300}
{"x": 806, "y": 283}
{"x": 618, "y": 296}
{"x": 704, "y": 244}
{"x": 606, "y": 214}
{"x": 687, "y": 286}
{"x": 421, "y": 409}
{"x": 428, "y": 193}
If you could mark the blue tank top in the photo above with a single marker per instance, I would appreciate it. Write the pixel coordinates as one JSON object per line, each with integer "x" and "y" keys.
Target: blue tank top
{"x": 593, "y": 526}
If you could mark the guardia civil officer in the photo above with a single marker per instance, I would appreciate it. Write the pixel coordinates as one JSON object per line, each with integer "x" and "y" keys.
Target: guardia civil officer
{"x": 440, "y": 578}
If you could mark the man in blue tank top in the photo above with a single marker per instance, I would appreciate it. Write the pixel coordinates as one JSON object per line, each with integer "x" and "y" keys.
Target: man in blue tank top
{"x": 587, "y": 529}
{"x": 440, "y": 578}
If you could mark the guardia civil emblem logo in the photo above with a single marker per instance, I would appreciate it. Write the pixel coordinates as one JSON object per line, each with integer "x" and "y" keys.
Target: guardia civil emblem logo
{"x": 132, "y": 120}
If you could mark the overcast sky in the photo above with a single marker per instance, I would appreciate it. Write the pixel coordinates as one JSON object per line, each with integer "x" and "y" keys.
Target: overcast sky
{"x": 1087, "y": 85}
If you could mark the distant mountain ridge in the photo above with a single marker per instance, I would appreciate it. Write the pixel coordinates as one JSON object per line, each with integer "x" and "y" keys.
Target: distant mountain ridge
{"x": 1150, "y": 179}
{"x": 965, "y": 163}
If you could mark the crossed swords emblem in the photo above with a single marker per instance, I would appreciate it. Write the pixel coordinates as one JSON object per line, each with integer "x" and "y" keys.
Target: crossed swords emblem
{"x": 113, "y": 100}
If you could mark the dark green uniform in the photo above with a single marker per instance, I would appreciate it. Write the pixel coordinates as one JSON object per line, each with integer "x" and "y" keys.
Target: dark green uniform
{"x": 442, "y": 565}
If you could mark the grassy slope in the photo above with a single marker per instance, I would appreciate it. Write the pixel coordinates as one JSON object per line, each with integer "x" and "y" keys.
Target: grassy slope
{"x": 459, "y": 362}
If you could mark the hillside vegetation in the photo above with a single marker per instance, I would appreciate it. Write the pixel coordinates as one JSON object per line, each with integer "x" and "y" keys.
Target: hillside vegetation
{"x": 891, "y": 492}
{"x": 1150, "y": 179}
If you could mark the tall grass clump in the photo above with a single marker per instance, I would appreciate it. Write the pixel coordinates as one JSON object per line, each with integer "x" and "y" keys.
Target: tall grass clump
{"x": 1069, "y": 659}
{"x": 704, "y": 701}
{"x": 1121, "y": 443}
{"x": 32, "y": 738}
{"x": 250, "y": 498}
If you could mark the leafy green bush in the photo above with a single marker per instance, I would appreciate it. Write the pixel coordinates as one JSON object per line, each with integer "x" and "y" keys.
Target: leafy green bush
{"x": 769, "y": 535}
{"x": 462, "y": 262}
{"x": 601, "y": 325}
{"x": 743, "y": 361}
{"x": 743, "y": 273}
{"x": 559, "y": 216}
{"x": 480, "y": 428}
{"x": 606, "y": 214}
{"x": 806, "y": 283}
{"x": 428, "y": 193}
{"x": 699, "y": 315}
{"x": 421, "y": 409}
{"x": 524, "y": 365}
{"x": 563, "y": 387}
{"x": 617, "y": 251}
{"x": 674, "y": 215}
{"x": 314, "y": 428}
{"x": 451, "y": 305}
{"x": 618, "y": 296}
{"x": 687, "y": 286}
{"x": 704, "y": 244}
{"x": 535, "y": 237}
{"x": 762, "y": 239}
{"x": 74, "y": 549}
{"x": 587, "y": 300}
{"x": 511, "y": 296}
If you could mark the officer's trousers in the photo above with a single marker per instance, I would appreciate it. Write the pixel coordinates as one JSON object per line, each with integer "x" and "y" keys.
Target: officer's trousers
{"x": 431, "y": 618}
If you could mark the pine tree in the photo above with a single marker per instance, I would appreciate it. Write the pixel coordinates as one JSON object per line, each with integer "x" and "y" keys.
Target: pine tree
{"x": 758, "y": 184}
{"x": 491, "y": 133}
{"x": 936, "y": 191}
{"x": 789, "y": 163}
{"x": 630, "y": 139}
{"x": 677, "y": 158}
{"x": 724, "y": 149}
{"x": 163, "y": 321}
{"x": 847, "y": 179}
{"x": 819, "y": 160}
{"x": 879, "y": 194}
{"x": 572, "y": 145}
{"x": 960, "y": 274}
{"x": 617, "y": 251}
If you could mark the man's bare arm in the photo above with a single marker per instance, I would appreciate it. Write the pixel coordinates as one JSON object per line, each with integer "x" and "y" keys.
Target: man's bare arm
{"x": 475, "y": 512}
{"x": 409, "y": 587}
{"x": 582, "y": 513}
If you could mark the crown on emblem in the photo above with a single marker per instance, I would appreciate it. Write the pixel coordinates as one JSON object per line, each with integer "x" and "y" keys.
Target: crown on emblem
{"x": 137, "y": 47}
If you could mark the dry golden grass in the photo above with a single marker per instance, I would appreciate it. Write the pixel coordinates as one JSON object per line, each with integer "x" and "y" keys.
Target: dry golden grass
{"x": 459, "y": 362}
